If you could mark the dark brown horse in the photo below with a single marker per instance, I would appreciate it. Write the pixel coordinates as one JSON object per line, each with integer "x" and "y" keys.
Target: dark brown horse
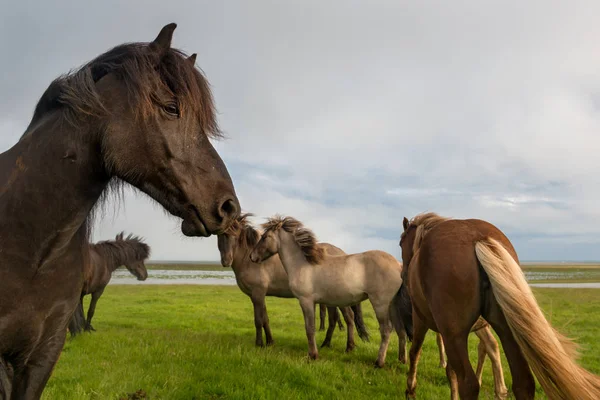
{"x": 105, "y": 258}
{"x": 140, "y": 113}
{"x": 270, "y": 279}
{"x": 457, "y": 271}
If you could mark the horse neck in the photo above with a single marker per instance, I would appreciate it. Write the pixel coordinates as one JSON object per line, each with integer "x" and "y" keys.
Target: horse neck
{"x": 49, "y": 183}
{"x": 290, "y": 253}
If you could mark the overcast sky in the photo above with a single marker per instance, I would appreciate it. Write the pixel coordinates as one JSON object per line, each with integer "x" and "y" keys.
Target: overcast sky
{"x": 349, "y": 115}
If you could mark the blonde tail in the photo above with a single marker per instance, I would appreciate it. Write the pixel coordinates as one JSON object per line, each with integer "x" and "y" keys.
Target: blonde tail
{"x": 551, "y": 356}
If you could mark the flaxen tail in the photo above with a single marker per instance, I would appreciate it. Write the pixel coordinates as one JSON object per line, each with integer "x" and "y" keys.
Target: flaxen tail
{"x": 551, "y": 356}
{"x": 359, "y": 322}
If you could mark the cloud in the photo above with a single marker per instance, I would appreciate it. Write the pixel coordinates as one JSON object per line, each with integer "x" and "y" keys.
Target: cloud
{"x": 350, "y": 115}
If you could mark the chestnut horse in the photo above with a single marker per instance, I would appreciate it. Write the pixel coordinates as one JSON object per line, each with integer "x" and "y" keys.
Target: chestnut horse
{"x": 457, "y": 271}
{"x": 317, "y": 277}
{"x": 141, "y": 113}
{"x": 270, "y": 279}
{"x": 105, "y": 258}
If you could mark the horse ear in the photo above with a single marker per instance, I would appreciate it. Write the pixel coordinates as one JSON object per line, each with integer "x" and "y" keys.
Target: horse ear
{"x": 405, "y": 223}
{"x": 192, "y": 59}
{"x": 162, "y": 43}
{"x": 119, "y": 236}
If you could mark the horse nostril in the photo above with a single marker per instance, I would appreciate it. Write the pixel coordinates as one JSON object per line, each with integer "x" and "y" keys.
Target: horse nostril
{"x": 228, "y": 208}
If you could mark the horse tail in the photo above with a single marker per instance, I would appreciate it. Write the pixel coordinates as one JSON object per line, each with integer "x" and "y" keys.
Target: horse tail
{"x": 359, "y": 322}
{"x": 77, "y": 321}
{"x": 401, "y": 314}
{"x": 552, "y": 356}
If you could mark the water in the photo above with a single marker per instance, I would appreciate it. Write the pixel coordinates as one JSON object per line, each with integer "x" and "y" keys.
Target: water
{"x": 175, "y": 277}
{"x": 227, "y": 278}
{"x": 568, "y": 285}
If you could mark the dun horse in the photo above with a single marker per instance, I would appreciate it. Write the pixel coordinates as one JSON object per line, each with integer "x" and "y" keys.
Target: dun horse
{"x": 140, "y": 113}
{"x": 316, "y": 277}
{"x": 457, "y": 271}
{"x": 105, "y": 258}
{"x": 270, "y": 279}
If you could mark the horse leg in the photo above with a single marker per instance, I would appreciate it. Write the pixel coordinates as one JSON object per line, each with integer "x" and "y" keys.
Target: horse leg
{"x": 489, "y": 345}
{"x": 29, "y": 380}
{"x": 90, "y": 314}
{"x": 440, "y": 344}
{"x": 322, "y": 316}
{"x": 349, "y": 318}
{"x": 308, "y": 309}
{"x": 266, "y": 325}
{"x": 419, "y": 331}
{"x": 523, "y": 385}
{"x": 481, "y": 353}
{"x": 459, "y": 367}
{"x": 382, "y": 312}
{"x": 258, "y": 301}
{"x": 332, "y": 313}
{"x": 339, "y": 319}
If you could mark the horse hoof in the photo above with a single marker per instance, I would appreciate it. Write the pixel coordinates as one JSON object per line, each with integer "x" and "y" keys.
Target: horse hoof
{"x": 402, "y": 360}
{"x": 314, "y": 356}
{"x": 350, "y": 348}
{"x": 379, "y": 364}
{"x": 270, "y": 343}
{"x": 409, "y": 395}
{"x": 326, "y": 344}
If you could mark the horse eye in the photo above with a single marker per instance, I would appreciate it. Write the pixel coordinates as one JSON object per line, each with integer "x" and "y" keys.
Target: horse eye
{"x": 171, "y": 109}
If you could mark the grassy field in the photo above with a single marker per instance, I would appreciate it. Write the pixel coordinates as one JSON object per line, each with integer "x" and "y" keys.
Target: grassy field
{"x": 197, "y": 342}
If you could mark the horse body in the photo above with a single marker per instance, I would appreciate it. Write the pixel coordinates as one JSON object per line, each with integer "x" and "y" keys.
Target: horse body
{"x": 269, "y": 278}
{"x": 118, "y": 117}
{"x": 334, "y": 280}
{"x": 461, "y": 270}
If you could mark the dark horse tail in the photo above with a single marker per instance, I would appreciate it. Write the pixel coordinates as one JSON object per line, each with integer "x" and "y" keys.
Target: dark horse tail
{"x": 77, "y": 321}
{"x": 361, "y": 328}
{"x": 402, "y": 311}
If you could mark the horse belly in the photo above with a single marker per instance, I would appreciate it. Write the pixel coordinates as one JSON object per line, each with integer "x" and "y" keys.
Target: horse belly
{"x": 347, "y": 290}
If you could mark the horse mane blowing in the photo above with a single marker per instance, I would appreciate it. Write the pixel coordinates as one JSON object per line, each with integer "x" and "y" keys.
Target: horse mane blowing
{"x": 123, "y": 250}
{"x": 247, "y": 235}
{"x": 304, "y": 237}
{"x": 135, "y": 64}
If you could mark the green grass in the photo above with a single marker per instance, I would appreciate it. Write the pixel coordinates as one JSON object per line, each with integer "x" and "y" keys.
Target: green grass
{"x": 197, "y": 342}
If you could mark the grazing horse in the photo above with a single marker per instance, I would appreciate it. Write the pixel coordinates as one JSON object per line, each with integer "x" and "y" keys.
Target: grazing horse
{"x": 317, "y": 277}
{"x": 140, "y": 113}
{"x": 457, "y": 271}
{"x": 270, "y": 279}
{"x": 105, "y": 258}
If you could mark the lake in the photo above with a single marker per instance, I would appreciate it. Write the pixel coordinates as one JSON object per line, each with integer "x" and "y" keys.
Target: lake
{"x": 226, "y": 277}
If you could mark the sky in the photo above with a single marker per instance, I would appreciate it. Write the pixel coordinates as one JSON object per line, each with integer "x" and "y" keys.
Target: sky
{"x": 350, "y": 115}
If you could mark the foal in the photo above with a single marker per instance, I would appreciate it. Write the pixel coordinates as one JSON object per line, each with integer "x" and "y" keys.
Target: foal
{"x": 104, "y": 258}
{"x": 270, "y": 279}
{"x": 317, "y": 277}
